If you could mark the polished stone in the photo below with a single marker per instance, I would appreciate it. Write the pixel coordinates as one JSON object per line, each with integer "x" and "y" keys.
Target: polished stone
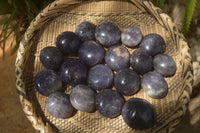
{"x": 164, "y": 64}
{"x": 58, "y": 105}
{"x": 100, "y": 77}
{"x": 141, "y": 61}
{"x": 109, "y": 103}
{"x": 127, "y": 82}
{"x": 131, "y": 36}
{"x": 138, "y": 114}
{"x": 117, "y": 57}
{"x": 154, "y": 85}
{"x": 107, "y": 34}
{"x": 47, "y": 82}
{"x": 82, "y": 98}
{"x": 153, "y": 43}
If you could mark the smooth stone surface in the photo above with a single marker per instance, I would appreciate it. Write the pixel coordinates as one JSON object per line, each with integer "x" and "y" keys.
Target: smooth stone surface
{"x": 82, "y": 98}
{"x": 164, "y": 64}
{"x": 68, "y": 42}
{"x": 154, "y": 85}
{"x": 153, "y": 43}
{"x": 127, "y": 82}
{"x": 58, "y": 105}
{"x": 73, "y": 71}
{"x": 109, "y": 103}
{"x": 107, "y": 34}
{"x": 91, "y": 53}
{"x": 100, "y": 77}
{"x": 47, "y": 82}
{"x": 131, "y": 36}
{"x": 141, "y": 61}
{"x": 138, "y": 114}
{"x": 86, "y": 30}
{"x": 51, "y": 57}
{"x": 117, "y": 57}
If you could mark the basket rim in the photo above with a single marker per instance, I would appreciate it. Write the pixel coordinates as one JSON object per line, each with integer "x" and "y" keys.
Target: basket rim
{"x": 46, "y": 15}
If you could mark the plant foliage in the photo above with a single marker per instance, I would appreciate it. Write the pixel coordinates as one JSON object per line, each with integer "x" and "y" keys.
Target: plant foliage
{"x": 189, "y": 11}
{"x": 160, "y": 3}
{"x": 16, "y": 16}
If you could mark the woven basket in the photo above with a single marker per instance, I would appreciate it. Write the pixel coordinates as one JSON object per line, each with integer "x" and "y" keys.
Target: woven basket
{"x": 65, "y": 15}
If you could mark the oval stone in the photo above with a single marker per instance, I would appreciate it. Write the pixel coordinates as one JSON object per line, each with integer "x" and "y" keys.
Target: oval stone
{"x": 82, "y": 98}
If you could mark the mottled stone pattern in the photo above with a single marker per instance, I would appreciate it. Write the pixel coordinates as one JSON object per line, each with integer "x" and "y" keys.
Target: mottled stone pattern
{"x": 127, "y": 82}
{"x": 117, "y": 57}
{"x": 154, "y": 85}
{"x": 138, "y": 114}
{"x": 107, "y": 34}
{"x": 141, "y": 61}
{"x": 47, "y": 82}
{"x": 100, "y": 77}
{"x": 51, "y": 57}
{"x": 73, "y": 71}
{"x": 153, "y": 44}
{"x": 131, "y": 36}
{"x": 86, "y": 30}
{"x": 109, "y": 103}
{"x": 68, "y": 42}
{"x": 164, "y": 64}
{"x": 82, "y": 98}
{"x": 58, "y": 105}
{"x": 91, "y": 53}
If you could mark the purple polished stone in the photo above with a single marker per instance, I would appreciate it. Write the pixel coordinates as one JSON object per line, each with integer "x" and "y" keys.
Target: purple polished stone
{"x": 138, "y": 114}
{"x": 107, "y": 34}
{"x": 73, "y": 71}
{"x": 47, "y": 82}
{"x": 58, "y": 105}
{"x": 86, "y": 30}
{"x": 91, "y": 53}
{"x": 68, "y": 42}
{"x": 131, "y": 36}
{"x": 117, "y": 57}
{"x": 164, "y": 64}
{"x": 154, "y": 85}
{"x": 141, "y": 61}
{"x": 51, "y": 57}
{"x": 109, "y": 103}
{"x": 127, "y": 82}
{"x": 153, "y": 43}
{"x": 100, "y": 77}
{"x": 82, "y": 98}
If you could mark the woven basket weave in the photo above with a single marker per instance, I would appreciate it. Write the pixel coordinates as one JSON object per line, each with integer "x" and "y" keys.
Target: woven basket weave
{"x": 64, "y": 15}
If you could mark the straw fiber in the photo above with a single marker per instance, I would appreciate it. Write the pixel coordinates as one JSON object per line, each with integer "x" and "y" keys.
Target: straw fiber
{"x": 65, "y": 15}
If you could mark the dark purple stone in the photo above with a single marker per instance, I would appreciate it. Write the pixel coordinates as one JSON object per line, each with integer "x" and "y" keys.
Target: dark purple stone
{"x": 58, "y": 105}
{"x": 86, "y": 30}
{"x": 164, "y": 64}
{"x": 100, "y": 77}
{"x": 107, "y": 34}
{"x": 117, "y": 57}
{"x": 82, "y": 98}
{"x": 91, "y": 53}
{"x": 47, "y": 82}
{"x": 73, "y": 71}
{"x": 127, "y": 82}
{"x": 141, "y": 61}
{"x": 68, "y": 42}
{"x": 51, "y": 57}
{"x": 109, "y": 103}
{"x": 131, "y": 36}
{"x": 138, "y": 114}
{"x": 153, "y": 43}
{"x": 154, "y": 85}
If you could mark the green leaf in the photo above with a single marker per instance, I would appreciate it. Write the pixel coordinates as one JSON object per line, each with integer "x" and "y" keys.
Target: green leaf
{"x": 189, "y": 11}
{"x": 160, "y": 3}
{"x": 5, "y": 7}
